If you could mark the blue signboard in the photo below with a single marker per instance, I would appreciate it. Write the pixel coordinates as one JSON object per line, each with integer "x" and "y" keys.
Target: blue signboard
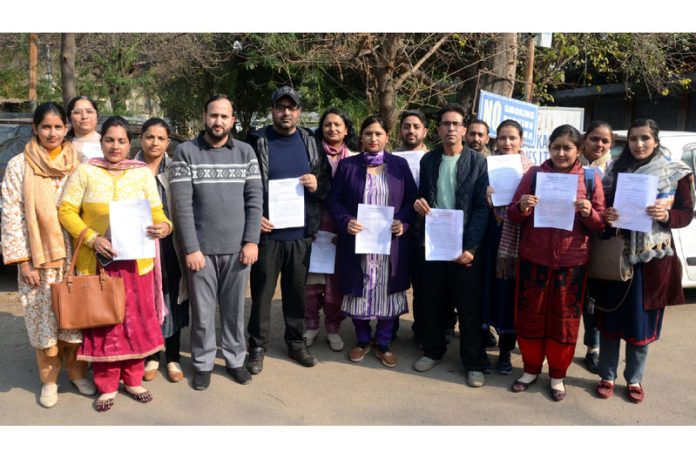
{"x": 494, "y": 109}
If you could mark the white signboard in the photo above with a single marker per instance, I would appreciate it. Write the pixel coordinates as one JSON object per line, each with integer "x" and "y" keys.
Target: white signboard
{"x": 548, "y": 119}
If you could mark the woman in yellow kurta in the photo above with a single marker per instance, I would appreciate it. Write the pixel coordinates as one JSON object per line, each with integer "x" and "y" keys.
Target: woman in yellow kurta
{"x": 33, "y": 239}
{"x": 117, "y": 352}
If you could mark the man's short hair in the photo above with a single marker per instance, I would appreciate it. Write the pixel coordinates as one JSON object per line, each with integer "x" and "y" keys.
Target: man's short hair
{"x": 215, "y": 98}
{"x": 417, "y": 113}
{"x": 478, "y": 121}
{"x": 451, "y": 107}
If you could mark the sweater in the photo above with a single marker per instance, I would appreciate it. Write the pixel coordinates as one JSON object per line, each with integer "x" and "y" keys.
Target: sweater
{"x": 216, "y": 196}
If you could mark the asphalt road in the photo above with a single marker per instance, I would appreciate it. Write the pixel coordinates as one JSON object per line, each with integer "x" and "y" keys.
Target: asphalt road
{"x": 339, "y": 392}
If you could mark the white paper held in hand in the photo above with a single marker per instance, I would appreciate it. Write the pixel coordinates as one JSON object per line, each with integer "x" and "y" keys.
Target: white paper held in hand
{"x": 128, "y": 222}
{"x": 444, "y": 232}
{"x": 376, "y": 235}
{"x": 286, "y": 203}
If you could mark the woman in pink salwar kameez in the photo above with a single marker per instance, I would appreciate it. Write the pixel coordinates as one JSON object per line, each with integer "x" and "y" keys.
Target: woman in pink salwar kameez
{"x": 117, "y": 352}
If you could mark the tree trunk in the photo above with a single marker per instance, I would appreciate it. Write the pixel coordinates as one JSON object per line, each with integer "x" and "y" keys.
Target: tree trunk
{"x": 504, "y": 63}
{"x": 67, "y": 67}
{"x": 32, "y": 69}
{"x": 385, "y": 63}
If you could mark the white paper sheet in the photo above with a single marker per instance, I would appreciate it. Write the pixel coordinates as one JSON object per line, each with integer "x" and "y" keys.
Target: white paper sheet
{"x": 375, "y": 236}
{"x": 504, "y": 174}
{"x": 444, "y": 230}
{"x": 557, "y": 194}
{"x": 413, "y": 158}
{"x": 634, "y": 192}
{"x": 92, "y": 150}
{"x": 128, "y": 222}
{"x": 322, "y": 259}
{"x": 286, "y": 203}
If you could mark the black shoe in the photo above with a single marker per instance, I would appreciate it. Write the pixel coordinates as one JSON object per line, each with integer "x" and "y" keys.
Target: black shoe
{"x": 302, "y": 356}
{"x": 201, "y": 380}
{"x": 504, "y": 365}
{"x": 239, "y": 374}
{"x": 592, "y": 361}
{"x": 491, "y": 341}
{"x": 254, "y": 362}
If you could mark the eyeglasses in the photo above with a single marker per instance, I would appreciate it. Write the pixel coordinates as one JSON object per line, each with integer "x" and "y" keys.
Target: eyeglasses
{"x": 449, "y": 124}
{"x": 88, "y": 112}
{"x": 281, "y": 107}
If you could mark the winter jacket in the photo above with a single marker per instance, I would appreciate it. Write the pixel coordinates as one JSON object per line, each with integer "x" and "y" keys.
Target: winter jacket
{"x": 318, "y": 165}
{"x": 557, "y": 247}
{"x": 470, "y": 194}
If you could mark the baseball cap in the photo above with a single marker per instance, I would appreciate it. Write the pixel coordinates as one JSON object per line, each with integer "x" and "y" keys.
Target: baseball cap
{"x": 285, "y": 91}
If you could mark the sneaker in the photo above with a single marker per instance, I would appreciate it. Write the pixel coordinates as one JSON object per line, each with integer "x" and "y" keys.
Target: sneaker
{"x": 358, "y": 352}
{"x": 84, "y": 386}
{"x": 254, "y": 362}
{"x": 49, "y": 395}
{"x": 592, "y": 361}
{"x": 335, "y": 341}
{"x": 504, "y": 366}
{"x": 310, "y": 336}
{"x": 239, "y": 374}
{"x": 151, "y": 368}
{"x": 201, "y": 380}
{"x": 387, "y": 357}
{"x": 174, "y": 372}
{"x": 424, "y": 364}
{"x": 303, "y": 356}
{"x": 475, "y": 379}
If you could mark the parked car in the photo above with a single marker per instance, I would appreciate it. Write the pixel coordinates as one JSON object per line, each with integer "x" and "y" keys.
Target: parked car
{"x": 680, "y": 145}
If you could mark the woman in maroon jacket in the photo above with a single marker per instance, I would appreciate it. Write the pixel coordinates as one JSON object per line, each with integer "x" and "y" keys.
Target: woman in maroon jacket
{"x": 551, "y": 271}
{"x": 633, "y": 310}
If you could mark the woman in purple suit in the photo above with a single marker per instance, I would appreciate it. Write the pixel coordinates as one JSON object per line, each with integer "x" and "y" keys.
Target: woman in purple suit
{"x": 374, "y": 285}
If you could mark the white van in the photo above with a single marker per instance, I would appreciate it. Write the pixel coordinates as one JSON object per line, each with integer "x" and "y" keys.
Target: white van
{"x": 681, "y": 146}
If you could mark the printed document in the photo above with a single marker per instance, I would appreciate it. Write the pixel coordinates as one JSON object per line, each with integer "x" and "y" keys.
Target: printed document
{"x": 376, "y": 235}
{"x": 557, "y": 194}
{"x": 286, "y": 203}
{"x": 128, "y": 221}
{"x": 634, "y": 192}
{"x": 444, "y": 230}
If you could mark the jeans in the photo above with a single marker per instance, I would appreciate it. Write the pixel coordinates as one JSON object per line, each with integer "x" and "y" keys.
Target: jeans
{"x": 636, "y": 357}
{"x": 591, "y": 339}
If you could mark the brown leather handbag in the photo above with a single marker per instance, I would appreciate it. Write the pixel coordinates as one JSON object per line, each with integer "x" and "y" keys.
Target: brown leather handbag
{"x": 608, "y": 259}
{"x": 88, "y": 301}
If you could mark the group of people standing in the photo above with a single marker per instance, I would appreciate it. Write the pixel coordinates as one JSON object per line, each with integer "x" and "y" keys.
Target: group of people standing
{"x": 210, "y": 212}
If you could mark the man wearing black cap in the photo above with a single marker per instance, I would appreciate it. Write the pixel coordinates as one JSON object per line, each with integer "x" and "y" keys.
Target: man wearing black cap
{"x": 284, "y": 151}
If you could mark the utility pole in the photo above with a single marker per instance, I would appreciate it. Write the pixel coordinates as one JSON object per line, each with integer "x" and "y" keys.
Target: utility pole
{"x": 531, "y": 41}
{"x": 33, "y": 58}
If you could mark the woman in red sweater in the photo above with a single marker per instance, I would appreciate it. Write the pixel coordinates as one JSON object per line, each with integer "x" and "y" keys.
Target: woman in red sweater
{"x": 551, "y": 271}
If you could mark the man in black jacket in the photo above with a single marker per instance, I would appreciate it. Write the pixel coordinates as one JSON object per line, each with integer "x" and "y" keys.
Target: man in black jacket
{"x": 284, "y": 151}
{"x": 454, "y": 176}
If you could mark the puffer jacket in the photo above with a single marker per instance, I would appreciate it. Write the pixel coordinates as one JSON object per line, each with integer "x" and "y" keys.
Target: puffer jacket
{"x": 557, "y": 247}
{"x": 319, "y": 167}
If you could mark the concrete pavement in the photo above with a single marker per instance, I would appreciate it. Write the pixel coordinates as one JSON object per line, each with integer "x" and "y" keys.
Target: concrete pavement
{"x": 339, "y": 392}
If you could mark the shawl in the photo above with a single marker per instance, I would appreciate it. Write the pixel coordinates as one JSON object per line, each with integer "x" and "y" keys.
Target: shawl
{"x": 46, "y": 240}
{"x": 373, "y": 159}
{"x": 121, "y": 165}
{"x": 341, "y": 152}
{"x": 509, "y": 246}
{"x": 600, "y": 163}
{"x": 644, "y": 246}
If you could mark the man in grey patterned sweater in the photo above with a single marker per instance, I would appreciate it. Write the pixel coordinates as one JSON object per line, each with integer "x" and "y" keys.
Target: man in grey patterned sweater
{"x": 217, "y": 203}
